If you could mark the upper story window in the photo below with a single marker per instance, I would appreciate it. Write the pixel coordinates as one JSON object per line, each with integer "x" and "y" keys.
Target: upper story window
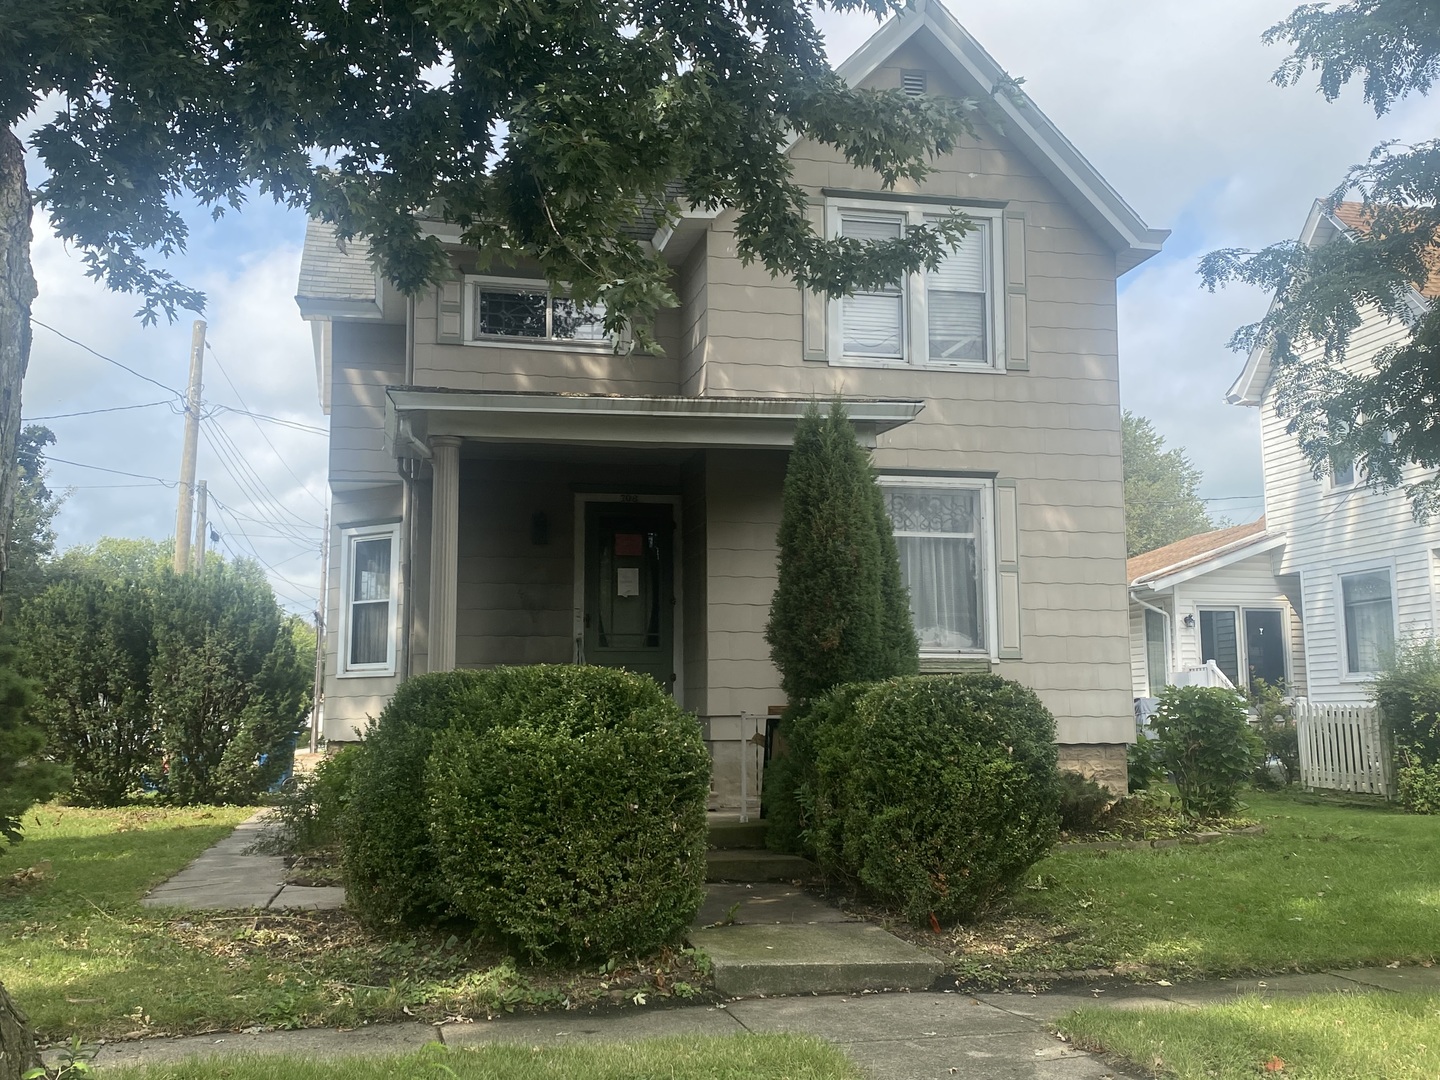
{"x": 520, "y": 309}
{"x": 946, "y": 317}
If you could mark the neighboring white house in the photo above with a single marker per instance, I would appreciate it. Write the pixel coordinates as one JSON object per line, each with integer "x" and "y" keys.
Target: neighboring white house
{"x": 1349, "y": 562}
{"x": 1215, "y": 598}
{"x": 509, "y": 489}
{"x": 1367, "y": 569}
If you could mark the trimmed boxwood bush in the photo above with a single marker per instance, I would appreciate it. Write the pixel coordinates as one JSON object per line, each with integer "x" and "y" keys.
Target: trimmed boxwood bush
{"x": 572, "y": 824}
{"x": 934, "y": 793}
{"x": 560, "y": 808}
{"x": 391, "y": 873}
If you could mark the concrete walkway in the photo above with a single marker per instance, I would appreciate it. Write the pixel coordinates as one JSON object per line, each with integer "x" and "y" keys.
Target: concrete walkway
{"x": 891, "y": 1036}
{"x": 229, "y": 876}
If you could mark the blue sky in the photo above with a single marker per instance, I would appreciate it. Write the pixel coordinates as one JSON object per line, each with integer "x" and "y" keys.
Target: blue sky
{"x": 1170, "y": 99}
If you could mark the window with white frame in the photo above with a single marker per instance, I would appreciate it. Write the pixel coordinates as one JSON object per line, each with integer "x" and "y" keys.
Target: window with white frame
{"x": 525, "y": 309}
{"x": 941, "y": 530}
{"x": 1368, "y": 606}
{"x": 368, "y": 600}
{"x": 948, "y": 316}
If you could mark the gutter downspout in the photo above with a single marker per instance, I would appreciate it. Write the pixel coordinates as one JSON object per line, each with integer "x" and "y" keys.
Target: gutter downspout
{"x": 406, "y": 470}
{"x": 1169, "y": 631}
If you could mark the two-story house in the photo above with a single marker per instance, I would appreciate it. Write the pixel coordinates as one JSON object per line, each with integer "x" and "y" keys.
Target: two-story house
{"x": 508, "y": 488}
{"x": 1348, "y": 564}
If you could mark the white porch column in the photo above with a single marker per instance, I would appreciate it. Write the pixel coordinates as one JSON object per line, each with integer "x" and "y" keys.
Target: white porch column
{"x": 444, "y": 549}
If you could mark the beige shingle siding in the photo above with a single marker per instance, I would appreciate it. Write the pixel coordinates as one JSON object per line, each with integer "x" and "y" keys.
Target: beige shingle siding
{"x": 328, "y": 273}
{"x": 367, "y": 357}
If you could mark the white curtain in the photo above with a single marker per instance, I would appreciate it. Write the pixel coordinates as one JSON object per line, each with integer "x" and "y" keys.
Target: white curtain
{"x": 1369, "y": 621}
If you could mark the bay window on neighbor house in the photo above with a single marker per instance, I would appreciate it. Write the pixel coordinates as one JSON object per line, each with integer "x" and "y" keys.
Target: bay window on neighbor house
{"x": 368, "y": 557}
{"x": 941, "y": 529}
{"x": 527, "y": 309}
{"x": 946, "y": 317}
{"x": 1368, "y": 609}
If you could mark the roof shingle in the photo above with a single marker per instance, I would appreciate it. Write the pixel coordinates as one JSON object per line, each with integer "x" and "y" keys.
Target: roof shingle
{"x": 1189, "y": 552}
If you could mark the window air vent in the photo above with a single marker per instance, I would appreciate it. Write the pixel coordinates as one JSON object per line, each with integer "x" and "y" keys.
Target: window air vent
{"x": 913, "y": 83}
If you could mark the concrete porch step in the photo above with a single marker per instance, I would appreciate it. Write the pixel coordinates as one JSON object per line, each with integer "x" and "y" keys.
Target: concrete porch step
{"x": 769, "y": 940}
{"x": 735, "y": 835}
{"x": 752, "y": 865}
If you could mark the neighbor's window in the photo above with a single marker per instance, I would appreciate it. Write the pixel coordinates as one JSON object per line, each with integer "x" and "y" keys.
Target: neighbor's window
{"x": 945, "y": 316}
{"x": 368, "y": 599}
{"x": 521, "y": 309}
{"x": 1369, "y": 620}
{"x": 940, "y": 532}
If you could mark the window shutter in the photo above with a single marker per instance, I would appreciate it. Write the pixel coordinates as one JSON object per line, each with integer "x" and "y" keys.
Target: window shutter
{"x": 1017, "y": 325}
{"x": 813, "y": 313}
{"x": 1007, "y": 566}
{"x": 449, "y": 312}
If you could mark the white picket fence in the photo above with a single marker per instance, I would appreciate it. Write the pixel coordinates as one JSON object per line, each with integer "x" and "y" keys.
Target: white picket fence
{"x": 1344, "y": 748}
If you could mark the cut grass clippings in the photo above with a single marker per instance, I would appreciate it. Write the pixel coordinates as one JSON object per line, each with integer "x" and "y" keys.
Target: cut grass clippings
{"x": 1323, "y": 886}
{"x": 735, "y": 1057}
{"x": 1324, "y": 1037}
{"x": 82, "y": 957}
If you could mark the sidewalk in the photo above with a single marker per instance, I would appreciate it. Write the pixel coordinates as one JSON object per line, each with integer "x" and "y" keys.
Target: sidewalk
{"x": 891, "y": 1036}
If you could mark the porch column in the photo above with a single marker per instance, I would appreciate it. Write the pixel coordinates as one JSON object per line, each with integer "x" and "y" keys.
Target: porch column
{"x": 444, "y": 549}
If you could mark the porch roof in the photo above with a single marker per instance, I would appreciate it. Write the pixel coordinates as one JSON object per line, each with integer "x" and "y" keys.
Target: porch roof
{"x": 415, "y": 414}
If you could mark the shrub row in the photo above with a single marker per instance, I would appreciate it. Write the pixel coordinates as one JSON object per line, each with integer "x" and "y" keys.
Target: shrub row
{"x": 558, "y": 808}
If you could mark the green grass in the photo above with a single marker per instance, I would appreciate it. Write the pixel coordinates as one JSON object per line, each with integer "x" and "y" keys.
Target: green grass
{"x": 1325, "y": 886}
{"x": 736, "y": 1057}
{"x": 83, "y": 958}
{"x": 1326, "y": 1037}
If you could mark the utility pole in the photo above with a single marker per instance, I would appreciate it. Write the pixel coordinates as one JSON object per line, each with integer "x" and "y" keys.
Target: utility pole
{"x": 202, "y": 526}
{"x": 317, "y": 697}
{"x": 187, "y": 461}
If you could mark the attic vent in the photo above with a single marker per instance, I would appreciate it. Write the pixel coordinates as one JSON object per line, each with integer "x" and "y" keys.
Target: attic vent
{"x": 913, "y": 83}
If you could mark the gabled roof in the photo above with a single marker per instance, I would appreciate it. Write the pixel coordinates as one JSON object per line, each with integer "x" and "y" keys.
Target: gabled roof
{"x": 1196, "y": 553}
{"x": 1025, "y": 125}
{"x": 1347, "y": 218}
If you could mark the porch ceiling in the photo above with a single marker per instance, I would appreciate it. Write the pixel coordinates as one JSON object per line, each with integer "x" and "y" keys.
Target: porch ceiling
{"x": 415, "y": 414}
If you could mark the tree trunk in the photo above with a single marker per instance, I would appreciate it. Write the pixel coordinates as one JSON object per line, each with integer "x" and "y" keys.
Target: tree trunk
{"x": 17, "y": 289}
{"x": 17, "y": 1041}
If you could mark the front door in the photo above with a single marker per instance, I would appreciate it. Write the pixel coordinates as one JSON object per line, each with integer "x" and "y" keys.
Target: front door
{"x": 1265, "y": 645}
{"x": 629, "y": 616}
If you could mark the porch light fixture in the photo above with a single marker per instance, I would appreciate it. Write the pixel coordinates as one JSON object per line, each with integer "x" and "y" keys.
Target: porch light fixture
{"x": 1189, "y": 622}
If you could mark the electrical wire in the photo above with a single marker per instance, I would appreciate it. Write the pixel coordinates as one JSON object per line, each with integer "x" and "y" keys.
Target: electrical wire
{"x": 252, "y": 487}
{"x": 255, "y": 419}
{"x": 309, "y": 429}
{"x": 93, "y": 412}
{"x": 238, "y": 531}
{"x": 107, "y": 359}
{"x": 117, "y": 472}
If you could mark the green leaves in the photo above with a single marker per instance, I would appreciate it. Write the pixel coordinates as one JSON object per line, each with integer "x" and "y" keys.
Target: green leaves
{"x": 561, "y": 131}
{"x": 1206, "y": 743}
{"x": 1162, "y": 504}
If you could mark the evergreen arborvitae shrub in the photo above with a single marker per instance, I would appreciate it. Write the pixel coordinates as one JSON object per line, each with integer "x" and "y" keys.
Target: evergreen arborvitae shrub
{"x": 26, "y": 777}
{"x": 933, "y": 793}
{"x": 568, "y": 818}
{"x": 391, "y": 871}
{"x": 835, "y": 614}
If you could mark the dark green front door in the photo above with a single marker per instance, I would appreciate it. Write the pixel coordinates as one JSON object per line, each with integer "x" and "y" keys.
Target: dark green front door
{"x": 630, "y": 588}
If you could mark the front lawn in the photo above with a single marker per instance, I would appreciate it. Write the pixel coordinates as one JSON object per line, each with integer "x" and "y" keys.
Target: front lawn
{"x": 736, "y": 1057}
{"x": 82, "y": 957}
{"x": 1324, "y": 886}
{"x": 1325, "y": 1037}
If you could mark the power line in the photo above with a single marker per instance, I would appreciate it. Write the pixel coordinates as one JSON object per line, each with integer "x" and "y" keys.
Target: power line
{"x": 249, "y": 482}
{"x": 117, "y": 472}
{"x": 93, "y": 412}
{"x": 255, "y": 419}
{"x": 260, "y": 559}
{"x": 309, "y": 429}
{"x": 107, "y": 359}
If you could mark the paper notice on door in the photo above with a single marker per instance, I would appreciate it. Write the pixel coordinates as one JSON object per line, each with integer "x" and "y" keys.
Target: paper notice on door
{"x": 627, "y": 581}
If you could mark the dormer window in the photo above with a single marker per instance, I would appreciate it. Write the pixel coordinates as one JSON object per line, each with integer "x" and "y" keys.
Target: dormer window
{"x": 519, "y": 309}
